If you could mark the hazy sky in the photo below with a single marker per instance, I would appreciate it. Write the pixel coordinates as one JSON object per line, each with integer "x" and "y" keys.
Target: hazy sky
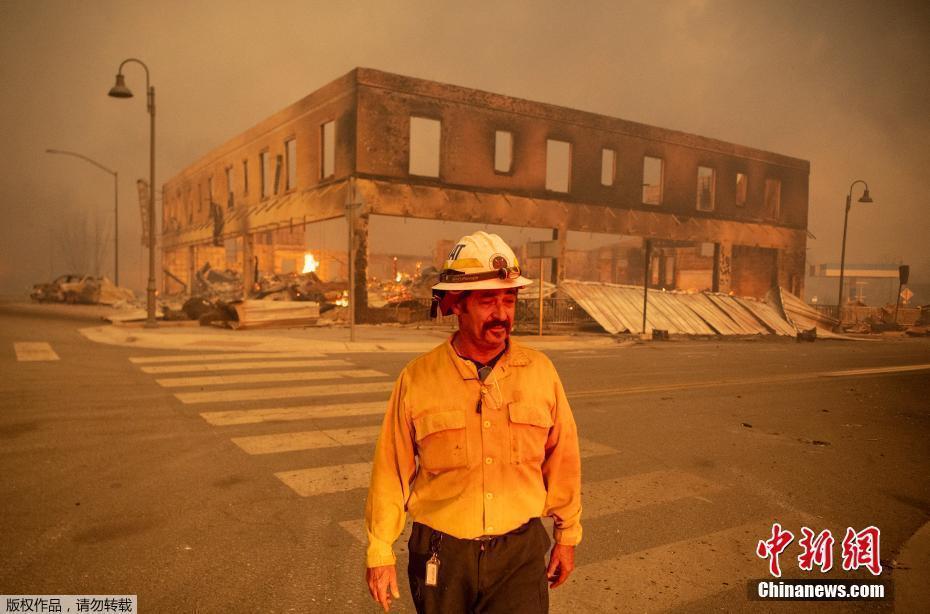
{"x": 845, "y": 85}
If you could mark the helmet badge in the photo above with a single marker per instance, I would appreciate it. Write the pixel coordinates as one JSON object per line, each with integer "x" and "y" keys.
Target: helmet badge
{"x": 498, "y": 262}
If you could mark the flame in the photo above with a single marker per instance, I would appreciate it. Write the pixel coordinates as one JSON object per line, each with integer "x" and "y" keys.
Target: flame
{"x": 397, "y": 278}
{"x": 310, "y": 263}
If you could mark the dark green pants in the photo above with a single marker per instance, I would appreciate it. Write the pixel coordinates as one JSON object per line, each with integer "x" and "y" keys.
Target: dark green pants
{"x": 506, "y": 574}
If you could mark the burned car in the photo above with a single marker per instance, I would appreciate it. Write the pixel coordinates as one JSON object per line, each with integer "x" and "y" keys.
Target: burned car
{"x": 54, "y": 291}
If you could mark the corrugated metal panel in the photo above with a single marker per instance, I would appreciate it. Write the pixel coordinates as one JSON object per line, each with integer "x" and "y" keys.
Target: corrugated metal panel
{"x": 531, "y": 292}
{"x": 768, "y": 316}
{"x": 619, "y": 308}
{"x": 717, "y": 318}
{"x": 679, "y": 313}
{"x": 612, "y": 310}
{"x": 747, "y": 323}
{"x": 803, "y": 316}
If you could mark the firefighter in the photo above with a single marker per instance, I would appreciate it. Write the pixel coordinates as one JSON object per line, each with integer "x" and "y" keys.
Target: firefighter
{"x": 478, "y": 443}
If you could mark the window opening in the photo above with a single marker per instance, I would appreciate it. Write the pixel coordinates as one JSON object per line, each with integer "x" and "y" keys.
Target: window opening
{"x": 264, "y": 167}
{"x": 425, "y": 137}
{"x": 652, "y": 180}
{"x": 278, "y": 164}
{"x": 503, "y": 151}
{"x": 742, "y": 184}
{"x": 230, "y": 201}
{"x": 706, "y": 185}
{"x": 608, "y": 167}
{"x": 773, "y": 198}
{"x": 290, "y": 151}
{"x": 558, "y": 165}
{"x": 328, "y": 150}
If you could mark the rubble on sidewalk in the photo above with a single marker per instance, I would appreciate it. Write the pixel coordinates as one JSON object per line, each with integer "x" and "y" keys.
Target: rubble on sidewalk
{"x": 921, "y": 326}
{"x": 81, "y": 289}
{"x": 214, "y": 284}
{"x": 252, "y": 314}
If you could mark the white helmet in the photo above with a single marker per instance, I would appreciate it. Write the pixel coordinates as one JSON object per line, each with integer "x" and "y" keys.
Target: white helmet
{"x": 479, "y": 261}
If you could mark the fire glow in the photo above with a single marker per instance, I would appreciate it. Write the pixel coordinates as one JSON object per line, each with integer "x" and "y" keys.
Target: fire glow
{"x": 311, "y": 264}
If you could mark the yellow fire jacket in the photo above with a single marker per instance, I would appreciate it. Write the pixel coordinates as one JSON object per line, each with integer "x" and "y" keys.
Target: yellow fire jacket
{"x": 472, "y": 458}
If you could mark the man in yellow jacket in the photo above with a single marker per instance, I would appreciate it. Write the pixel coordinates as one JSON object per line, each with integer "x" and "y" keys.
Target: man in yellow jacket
{"x": 478, "y": 442}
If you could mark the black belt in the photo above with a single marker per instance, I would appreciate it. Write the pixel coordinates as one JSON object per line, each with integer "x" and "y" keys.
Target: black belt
{"x": 485, "y": 538}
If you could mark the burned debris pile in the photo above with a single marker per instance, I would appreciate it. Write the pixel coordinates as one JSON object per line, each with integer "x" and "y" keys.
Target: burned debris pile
{"x": 281, "y": 299}
{"x": 83, "y": 290}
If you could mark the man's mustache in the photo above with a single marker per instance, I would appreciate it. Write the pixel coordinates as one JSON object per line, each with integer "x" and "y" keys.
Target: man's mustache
{"x": 489, "y": 325}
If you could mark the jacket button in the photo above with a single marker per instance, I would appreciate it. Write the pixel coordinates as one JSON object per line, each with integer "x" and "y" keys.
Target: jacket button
{"x": 490, "y": 495}
{"x": 487, "y": 424}
{"x": 489, "y": 460}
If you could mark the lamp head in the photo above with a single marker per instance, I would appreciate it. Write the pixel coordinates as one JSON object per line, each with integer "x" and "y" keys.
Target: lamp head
{"x": 120, "y": 90}
{"x": 866, "y": 198}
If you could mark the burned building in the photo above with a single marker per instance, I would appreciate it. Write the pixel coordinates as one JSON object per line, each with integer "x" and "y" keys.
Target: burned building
{"x": 375, "y": 143}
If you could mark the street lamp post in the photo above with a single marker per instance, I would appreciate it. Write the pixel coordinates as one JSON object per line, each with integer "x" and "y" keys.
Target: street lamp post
{"x": 115, "y": 204}
{"x": 866, "y": 198}
{"x": 119, "y": 90}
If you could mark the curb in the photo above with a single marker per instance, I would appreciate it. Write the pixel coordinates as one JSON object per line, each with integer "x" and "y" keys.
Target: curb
{"x": 187, "y": 339}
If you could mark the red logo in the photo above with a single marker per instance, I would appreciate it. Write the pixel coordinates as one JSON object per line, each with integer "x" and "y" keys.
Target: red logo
{"x": 498, "y": 262}
{"x": 859, "y": 549}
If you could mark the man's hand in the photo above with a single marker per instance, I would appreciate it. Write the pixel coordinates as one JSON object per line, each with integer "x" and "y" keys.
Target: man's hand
{"x": 382, "y": 584}
{"x": 561, "y": 564}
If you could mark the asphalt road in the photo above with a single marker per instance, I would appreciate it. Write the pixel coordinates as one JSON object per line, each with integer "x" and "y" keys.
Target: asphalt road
{"x": 113, "y": 484}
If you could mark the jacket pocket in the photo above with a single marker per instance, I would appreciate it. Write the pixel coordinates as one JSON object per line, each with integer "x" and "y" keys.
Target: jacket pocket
{"x": 529, "y": 430}
{"x": 441, "y": 441}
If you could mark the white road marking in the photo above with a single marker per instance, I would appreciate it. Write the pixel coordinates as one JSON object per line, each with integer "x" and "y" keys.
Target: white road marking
{"x": 325, "y": 480}
{"x": 588, "y": 448}
{"x": 32, "y": 351}
{"x": 666, "y": 576}
{"x": 605, "y": 497}
{"x": 611, "y": 496}
{"x": 224, "y": 356}
{"x": 282, "y": 392}
{"x": 255, "y": 378}
{"x": 307, "y": 440}
{"x": 338, "y": 478}
{"x": 877, "y": 370}
{"x": 288, "y": 414}
{"x": 356, "y": 528}
{"x": 245, "y": 366}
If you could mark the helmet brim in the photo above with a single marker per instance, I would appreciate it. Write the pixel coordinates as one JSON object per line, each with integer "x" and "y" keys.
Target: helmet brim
{"x": 485, "y": 284}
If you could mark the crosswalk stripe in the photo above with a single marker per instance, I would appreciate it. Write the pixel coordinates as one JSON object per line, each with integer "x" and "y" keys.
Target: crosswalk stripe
{"x": 641, "y": 490}
{"x": 281, "y": 392}
{"x": 288, "y": 414}
{"x": 666, "y": 576}
{"x": 308, "y": 482}
{"x": 255, "y": 378}
{"x": 325, "y": 480}
{"x": 605, "y": 497}
{"x": 245, "y": 366}
{"x": 32, "y": 351}
{"x": 588, "y": 448}
{"x": 307, "y": 440}
{"x": 356, "y": 528}
{"x": 139, "y": 360}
